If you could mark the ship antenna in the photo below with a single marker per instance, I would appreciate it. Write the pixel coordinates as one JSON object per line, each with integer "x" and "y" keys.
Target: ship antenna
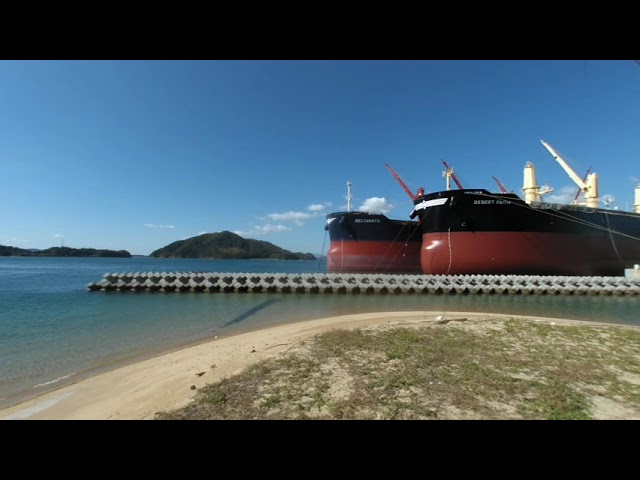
{"x": 349, "y": 197}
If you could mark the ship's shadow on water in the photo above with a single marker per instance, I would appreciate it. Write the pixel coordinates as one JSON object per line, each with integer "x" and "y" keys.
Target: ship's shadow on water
{"x": 250, "y": 312}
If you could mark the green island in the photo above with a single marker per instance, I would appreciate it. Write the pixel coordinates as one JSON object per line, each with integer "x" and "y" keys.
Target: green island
{"x": 7, "y": 251}
{"x": 227, "y": 245}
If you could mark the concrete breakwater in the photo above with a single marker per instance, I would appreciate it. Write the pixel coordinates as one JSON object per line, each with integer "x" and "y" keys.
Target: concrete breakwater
{"x": 345, "y": 283}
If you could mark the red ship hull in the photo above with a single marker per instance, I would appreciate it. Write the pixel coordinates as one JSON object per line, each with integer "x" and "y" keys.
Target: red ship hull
{"x": 373, "y": 256}
{"x": 532, "y": 253}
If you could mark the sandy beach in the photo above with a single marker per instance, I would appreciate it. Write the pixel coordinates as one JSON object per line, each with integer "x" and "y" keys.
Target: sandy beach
{"x": 171, "y": 380}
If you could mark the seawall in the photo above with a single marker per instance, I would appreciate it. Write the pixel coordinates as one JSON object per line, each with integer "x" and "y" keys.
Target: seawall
{"x": 344, "y": 283}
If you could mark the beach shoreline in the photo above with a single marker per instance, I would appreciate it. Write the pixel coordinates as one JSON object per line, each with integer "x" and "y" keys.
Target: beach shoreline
{"x": 141, "y": 386}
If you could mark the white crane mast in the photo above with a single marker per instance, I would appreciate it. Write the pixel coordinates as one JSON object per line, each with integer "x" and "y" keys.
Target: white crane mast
{"x": 590, "y": 188}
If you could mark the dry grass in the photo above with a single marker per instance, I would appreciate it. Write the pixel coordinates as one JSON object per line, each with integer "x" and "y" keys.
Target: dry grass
{"x": 489, "y": 369}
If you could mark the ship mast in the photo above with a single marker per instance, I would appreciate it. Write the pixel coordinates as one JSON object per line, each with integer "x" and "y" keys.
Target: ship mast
{"x": 349, "y": 197}
{"x": 590, "y": 188}
{"x": 448, "y": 173}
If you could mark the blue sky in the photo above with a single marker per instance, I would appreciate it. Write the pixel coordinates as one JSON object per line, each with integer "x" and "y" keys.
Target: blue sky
{"x": 137, "y": 154}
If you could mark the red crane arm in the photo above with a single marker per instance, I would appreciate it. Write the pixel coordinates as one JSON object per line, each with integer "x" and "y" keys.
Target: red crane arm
{"x": 500, "y": 186}
{"x": 584, "y": 180}
{"x": 402, "y": 184}
{"x": 453, "y": 175}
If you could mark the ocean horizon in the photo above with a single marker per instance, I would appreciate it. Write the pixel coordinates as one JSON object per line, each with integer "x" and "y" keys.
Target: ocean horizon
{"x": 54, "y": 331}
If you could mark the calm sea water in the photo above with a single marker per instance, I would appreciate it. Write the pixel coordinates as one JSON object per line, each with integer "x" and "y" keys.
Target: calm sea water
{"x": 52, "y": 328}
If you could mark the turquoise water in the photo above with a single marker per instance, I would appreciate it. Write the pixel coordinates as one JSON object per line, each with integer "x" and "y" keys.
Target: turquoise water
{"x": 51, "y": 327}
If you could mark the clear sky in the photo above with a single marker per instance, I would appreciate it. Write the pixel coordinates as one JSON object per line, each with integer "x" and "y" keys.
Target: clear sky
{"x": 137, "y": 154}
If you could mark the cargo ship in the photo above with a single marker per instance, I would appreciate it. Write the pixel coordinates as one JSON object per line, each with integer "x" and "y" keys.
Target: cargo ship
{"x": 362, "y": 242}
{"x": 474, "y": 231}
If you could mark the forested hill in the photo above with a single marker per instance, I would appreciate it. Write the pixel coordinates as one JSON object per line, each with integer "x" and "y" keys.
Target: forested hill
{"x": 6, "y": 251}
{"x": 226, "y": 245}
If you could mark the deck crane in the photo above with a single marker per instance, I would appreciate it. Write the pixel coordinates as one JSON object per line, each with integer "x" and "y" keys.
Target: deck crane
{"x": 590, "y": 187}
{"x": 404, "y": 187}
{"x": 532, "y": 191}
{"x": 500, "y": 186}
{"x": 584, "y": 179}
{"x": 448, "y": 173}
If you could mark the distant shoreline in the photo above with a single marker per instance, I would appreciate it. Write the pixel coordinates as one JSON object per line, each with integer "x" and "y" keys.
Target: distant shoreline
{"x": 9, "y": 251}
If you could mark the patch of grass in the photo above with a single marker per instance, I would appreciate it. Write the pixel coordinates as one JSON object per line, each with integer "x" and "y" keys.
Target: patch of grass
{"x": 558, "y": 401}
{"x": 493, "y": 369}
{"x": 271, "y": 401}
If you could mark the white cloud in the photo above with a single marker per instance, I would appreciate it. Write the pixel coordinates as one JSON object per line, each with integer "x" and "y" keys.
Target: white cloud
{"x": 262, "y": 230}
{"x": 266, "y": 229}
{"x": 568, "y": 193}
{"x": 202, "y": 233}
{"x": 14, "y": 241}
{"x": 57, "y": 235}
{"x": 296, "y": 217}
{"x": 313, "y": 210}
{"x": 153, "y": 225}
{"x": 316, "y": 207}
{"x": 564, "y": 196}
{"x": 376, "y": 205}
